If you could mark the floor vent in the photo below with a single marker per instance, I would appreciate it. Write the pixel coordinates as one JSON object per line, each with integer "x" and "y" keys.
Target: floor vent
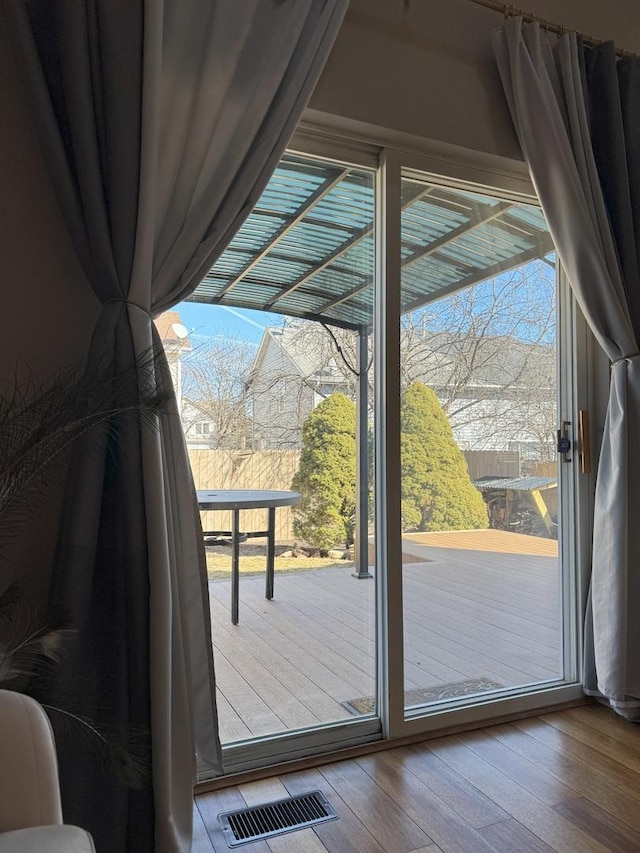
{"x": 264, "y": 821}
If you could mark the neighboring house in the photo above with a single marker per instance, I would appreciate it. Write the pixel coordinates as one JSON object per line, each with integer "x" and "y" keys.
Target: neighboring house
{"x": 175, "y": 339}
{"x": 294, "y": 370}
{"x": 198, "y": 425}
{"x": 209, "y": 423}
{"x": 215, "y": 424}
{"x": 499, "y": 393}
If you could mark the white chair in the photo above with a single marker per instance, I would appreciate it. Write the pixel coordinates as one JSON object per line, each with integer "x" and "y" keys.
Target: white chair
{"x": 30, "y": 809}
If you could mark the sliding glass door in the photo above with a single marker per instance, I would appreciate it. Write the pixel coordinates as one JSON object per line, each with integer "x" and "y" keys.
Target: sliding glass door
{"x": 291, "y": 409}
{"x": 404, "y": 381}
{"x": 479, "y": 472}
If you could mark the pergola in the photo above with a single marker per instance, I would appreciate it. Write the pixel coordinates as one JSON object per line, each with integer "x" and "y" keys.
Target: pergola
{"x": 307, "y": 251}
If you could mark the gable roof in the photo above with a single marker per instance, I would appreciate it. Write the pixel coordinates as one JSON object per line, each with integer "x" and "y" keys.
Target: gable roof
{"x": 491, "y": 361}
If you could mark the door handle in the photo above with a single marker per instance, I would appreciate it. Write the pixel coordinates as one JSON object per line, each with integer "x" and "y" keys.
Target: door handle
{"x": 564, "y": 442}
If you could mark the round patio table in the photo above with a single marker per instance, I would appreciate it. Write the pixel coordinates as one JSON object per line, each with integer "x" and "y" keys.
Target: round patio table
{"x": 237, "y": 500}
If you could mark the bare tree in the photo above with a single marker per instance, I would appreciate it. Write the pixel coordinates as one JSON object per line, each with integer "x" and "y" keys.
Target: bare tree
{"x": 214, "y": 376}
{"x": 239, "y": 408}
{"x": 492, "y": 359}
{"x": 488, "y": 351}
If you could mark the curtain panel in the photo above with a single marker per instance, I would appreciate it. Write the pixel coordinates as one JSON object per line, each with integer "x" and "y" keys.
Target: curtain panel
{"x": 160, "y": 122}
{"x": 581, "y": 152}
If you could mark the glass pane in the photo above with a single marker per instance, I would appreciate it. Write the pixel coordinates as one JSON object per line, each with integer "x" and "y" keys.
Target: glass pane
{"x": 278, "y": 398}
{"x": 479, "y": 473}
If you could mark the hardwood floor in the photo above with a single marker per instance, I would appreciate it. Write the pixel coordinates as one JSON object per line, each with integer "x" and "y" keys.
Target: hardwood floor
{"x": 567, "y": 781}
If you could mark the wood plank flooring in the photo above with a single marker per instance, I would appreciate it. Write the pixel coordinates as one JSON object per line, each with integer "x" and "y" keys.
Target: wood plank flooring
{"x": 567, "y": 782}
{"x": 470, "y": 613}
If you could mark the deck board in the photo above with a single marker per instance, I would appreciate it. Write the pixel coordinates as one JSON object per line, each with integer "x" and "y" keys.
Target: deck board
{"x": 470, "y": 612}
{"x": 273, "y": 661}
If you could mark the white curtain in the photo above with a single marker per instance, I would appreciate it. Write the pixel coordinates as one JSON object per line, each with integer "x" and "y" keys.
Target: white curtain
{"x": 161, "y": 122}
{"x": 545, "y": 89}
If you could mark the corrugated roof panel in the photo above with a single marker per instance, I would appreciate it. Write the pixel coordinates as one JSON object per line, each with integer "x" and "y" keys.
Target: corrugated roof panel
{"x": 334, "y": 281}
{"x": 350, "y": 203}
{"x": 358, "y": 312}
{"x": 292, "y": 183}
{"x": 472, "y": 252}
{"x": 530, "y": 216}
{"x": 250, "y": 294}
{"x": 210, "y": 287}
{"x": 314, "y": 241}
{"x": 256, "y": 233}
{"x": 310, "y": 242}
{"x": 420, "y": 229}
{"x": 231, "y": 264}
{"x": 300, "y": 296}
{"x": 518, "y": 484}
{"x": 302, "y": 306}
{"x": 476, "y": 198}
{"x": 496, "y": 234}
{"x": 432, "y": 268}
{"x": 356, "y": 259}
{"x": 442, "y": 218}
{"x": 279, "y": 269}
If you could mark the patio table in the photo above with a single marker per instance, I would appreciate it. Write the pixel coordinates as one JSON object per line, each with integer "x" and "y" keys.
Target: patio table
{"x": 237, "y": 500}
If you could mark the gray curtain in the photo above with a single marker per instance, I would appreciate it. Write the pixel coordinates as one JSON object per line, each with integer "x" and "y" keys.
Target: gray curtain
{"x": 161, "y": 122}
{"x": 594, "y": 225}
{"x": 612, "y": 641}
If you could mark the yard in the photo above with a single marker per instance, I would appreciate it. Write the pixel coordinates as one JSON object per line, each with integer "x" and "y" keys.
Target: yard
{"x": 253, "y": 557}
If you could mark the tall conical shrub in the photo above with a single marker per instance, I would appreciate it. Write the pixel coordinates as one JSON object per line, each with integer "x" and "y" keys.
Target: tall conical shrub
{"x": 326, "y": 477}
{"x": 437, "y": 493}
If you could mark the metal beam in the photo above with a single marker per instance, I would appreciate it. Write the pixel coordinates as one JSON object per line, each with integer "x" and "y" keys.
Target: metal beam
{"x": 488, "y": 272}
{"x": 493, "y": 212}
{"x": 451, "y": 236}
{"x": 357, "y": 237}
{"x": 362, "y": 461}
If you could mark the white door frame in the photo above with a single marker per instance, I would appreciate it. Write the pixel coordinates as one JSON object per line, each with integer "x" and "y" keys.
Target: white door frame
{"x": 454, "y": 168}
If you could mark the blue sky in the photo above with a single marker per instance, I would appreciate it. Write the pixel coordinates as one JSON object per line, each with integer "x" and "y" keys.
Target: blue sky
{"x": 208, "y": 321}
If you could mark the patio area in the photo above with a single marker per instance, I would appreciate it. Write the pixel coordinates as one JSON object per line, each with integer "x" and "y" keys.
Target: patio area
{"x": 481, "y": 608}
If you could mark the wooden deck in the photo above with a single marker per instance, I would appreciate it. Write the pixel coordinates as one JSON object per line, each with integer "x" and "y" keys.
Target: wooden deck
{"x": 487, "y": 612}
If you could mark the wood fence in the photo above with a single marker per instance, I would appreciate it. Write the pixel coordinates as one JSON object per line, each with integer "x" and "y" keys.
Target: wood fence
{"x": 492, "y": 463}
{"x": 274, "y": 469}
{"x": 240, "y": 469}
{"x": 544, "y": 469}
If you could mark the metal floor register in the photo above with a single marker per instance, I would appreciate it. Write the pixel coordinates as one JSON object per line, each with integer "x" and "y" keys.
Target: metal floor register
{"x": 268, "y": 819}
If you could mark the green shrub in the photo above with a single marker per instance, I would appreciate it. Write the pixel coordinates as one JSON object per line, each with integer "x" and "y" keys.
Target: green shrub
{"x": 326, "y": 477}
{"x": 437, "y": 493}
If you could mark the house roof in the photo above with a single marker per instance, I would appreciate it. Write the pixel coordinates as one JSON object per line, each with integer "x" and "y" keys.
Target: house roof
{"x": 486, "y": 361}
{"x": 518, "y": 484}
{"x": 306, "y": 250}
{"x": 492, "y": 361}
{"x": 307, "y": 345}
